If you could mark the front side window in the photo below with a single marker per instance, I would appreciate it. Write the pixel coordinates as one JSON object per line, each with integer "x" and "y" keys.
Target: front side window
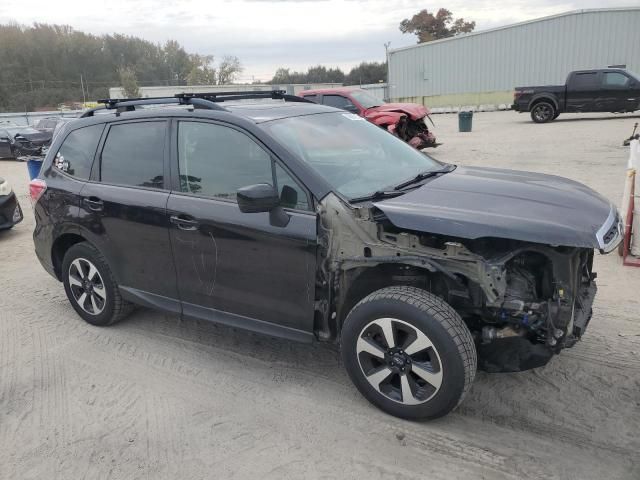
{"x": 354, "y": 156}
{"x": 313, "y": 98}
{"x": 133, "y": 154}
{"x": 75, "y": 156}
{"x": 615, "y": 79}
{"x": 338, "y": 101}
{"x": 215, "y": 161}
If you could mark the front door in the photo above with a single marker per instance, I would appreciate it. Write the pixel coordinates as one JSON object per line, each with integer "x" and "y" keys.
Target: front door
{"x": 619, "y": 93}
{"x": 234, "y": 267}
{"x": 125, "y": 207}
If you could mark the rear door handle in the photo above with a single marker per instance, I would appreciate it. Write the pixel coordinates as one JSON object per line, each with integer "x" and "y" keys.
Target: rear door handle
{"x": 184, "y": 222}
{"x": 94, "y": 203}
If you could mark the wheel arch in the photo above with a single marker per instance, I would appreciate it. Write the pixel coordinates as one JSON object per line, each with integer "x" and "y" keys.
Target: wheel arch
{"x": 60, "y": 247}
{"x": 543, "y": 98}
{"x": 359, "y": 282}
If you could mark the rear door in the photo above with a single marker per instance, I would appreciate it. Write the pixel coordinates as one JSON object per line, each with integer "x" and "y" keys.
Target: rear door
{"x": 583, "y": 88}
{"x": 234, "y": 267}
{"x": 125, "y": 209}
{"x": 619, "y": 92}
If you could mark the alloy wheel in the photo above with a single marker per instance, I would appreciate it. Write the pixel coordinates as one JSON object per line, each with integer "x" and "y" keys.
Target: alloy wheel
{"x": 87, "y": 286}
{"x": 399, "y": 361}
{"x": 543, "y": 112}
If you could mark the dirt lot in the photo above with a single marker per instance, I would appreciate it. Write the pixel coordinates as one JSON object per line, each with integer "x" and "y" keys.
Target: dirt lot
{"x": 159, "y": 397}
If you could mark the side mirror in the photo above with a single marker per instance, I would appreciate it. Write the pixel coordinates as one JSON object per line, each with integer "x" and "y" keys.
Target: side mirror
{"x": 261, "y": 197}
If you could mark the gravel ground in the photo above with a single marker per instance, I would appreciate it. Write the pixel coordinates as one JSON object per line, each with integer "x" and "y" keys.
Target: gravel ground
{"x": 159, "y": 397}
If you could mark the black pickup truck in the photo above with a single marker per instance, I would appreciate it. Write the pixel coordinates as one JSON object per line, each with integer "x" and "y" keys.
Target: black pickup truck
{"x": 604, "y": 90}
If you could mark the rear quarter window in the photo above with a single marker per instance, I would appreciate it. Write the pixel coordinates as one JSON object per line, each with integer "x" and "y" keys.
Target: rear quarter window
{"x": 75, "y": 156}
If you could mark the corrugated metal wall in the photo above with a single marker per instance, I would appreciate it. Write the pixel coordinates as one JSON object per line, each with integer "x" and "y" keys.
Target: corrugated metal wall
{"x": 538, "y": 52}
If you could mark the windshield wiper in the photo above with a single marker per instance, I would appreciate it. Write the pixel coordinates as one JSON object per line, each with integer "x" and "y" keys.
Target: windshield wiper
{"x": 377, "y": 195}
{"x": 424, "y": 175}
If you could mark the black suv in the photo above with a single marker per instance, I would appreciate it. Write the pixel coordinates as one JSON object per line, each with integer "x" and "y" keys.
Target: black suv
{"x": 302, "y": 221}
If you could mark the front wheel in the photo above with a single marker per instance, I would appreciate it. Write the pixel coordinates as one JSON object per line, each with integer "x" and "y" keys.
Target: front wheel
{"x": 543, "y": 112}
{"x": 409, "y": 353}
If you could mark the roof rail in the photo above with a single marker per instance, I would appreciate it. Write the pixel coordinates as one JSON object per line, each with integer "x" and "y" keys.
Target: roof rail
{"x": 130, "y": 104}
{"x": 207, "y": 100}
{"x": 244, "y": 95}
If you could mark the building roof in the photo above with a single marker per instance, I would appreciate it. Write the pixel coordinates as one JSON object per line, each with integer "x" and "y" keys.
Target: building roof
{"x": 514, "y": 25}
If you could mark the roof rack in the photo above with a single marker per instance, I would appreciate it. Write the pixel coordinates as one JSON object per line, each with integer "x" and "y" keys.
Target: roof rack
{"x": 206, "y": 100}
{"x": 225, "y": 96}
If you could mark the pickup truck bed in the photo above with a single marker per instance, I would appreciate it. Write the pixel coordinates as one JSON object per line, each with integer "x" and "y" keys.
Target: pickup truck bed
{"x": 603, "y": 90}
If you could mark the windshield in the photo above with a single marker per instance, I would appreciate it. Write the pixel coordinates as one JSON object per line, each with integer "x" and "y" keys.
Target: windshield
{"x": 354, "y": 156}
{"x": 366, "y": 99}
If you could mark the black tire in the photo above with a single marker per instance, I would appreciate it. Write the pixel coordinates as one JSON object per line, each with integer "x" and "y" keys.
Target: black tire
{"x": 543, "y": 112}
{"x": 557, "y": 114}
{"x": 452, "y": 354}
{"x": 112, "y": 308}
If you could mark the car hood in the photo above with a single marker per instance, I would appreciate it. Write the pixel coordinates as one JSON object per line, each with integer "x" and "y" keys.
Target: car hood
{"x": 39, "y": 138}
{"x": 474, "y": 202}
{"x": 415, "y": 111}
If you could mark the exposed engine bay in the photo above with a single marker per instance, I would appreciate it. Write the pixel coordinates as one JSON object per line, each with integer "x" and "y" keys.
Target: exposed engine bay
{"x": 522, "y": 301}
{"x": 414, "y": 132}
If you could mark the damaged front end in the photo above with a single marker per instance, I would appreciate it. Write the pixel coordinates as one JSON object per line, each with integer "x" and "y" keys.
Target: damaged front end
{"x": 408, "y": 122}
{"x": 522, "y": 301}
{"x": 414, "y": 132}
{"x": 24, "y": 146}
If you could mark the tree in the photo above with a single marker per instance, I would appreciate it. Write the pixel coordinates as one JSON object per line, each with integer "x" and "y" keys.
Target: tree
{"x": 367, "y": 72}
{"x": 129, "y": 82}
{"x": 41, "y": 65}
{"x": 202, "y": 72}
{"x": 429, "y": 27}
{"x": 229, "y": 69}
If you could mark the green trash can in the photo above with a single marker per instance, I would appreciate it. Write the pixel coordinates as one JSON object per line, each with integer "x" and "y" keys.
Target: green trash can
{"x": 465, "y": 119}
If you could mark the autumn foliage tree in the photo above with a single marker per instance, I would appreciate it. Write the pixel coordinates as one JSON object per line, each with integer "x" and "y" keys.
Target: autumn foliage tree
{"x": 428, "y": 27}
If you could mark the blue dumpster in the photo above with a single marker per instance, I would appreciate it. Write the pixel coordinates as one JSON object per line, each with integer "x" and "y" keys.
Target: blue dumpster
{"x": 465, "y": 119}
{"x": 34, "y": 165}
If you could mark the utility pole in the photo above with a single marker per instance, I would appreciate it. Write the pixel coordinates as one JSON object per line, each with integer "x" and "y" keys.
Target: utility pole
{"x": 386, "y": 53}
{"x": 84, "y": 98}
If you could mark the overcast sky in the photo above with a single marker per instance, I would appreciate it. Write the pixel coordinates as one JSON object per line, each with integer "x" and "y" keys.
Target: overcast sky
{"x": 266, "y": 34}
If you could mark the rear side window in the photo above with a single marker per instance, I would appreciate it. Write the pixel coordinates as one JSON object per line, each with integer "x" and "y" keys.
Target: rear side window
{"x": 615, "y": 79}
{"x": 337, "y": 101}
{"x": 133, "y": 154}
{"x": 585, "y": 80}
{"x": 75, "y": 156}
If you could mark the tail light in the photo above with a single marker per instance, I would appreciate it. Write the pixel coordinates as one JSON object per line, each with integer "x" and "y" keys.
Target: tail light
{"x": 37, "y": 187}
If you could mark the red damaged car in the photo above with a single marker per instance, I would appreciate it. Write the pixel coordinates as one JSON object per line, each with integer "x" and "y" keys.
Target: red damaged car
{"x": 405, "y": 120}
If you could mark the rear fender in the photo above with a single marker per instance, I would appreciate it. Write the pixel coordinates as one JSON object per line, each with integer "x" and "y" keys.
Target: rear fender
{"x": 542, "y": 97}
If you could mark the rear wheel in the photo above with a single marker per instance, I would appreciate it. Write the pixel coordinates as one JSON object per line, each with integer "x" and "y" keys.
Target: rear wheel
{"x": 409, "y": 353}
{"x": 90, "y": 286}
{"x": 543, "y": 112}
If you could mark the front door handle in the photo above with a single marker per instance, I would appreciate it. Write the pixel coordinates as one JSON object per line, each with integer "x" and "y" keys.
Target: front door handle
{"x": 184, "y": 222}
{"x": 94, "y": 203}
